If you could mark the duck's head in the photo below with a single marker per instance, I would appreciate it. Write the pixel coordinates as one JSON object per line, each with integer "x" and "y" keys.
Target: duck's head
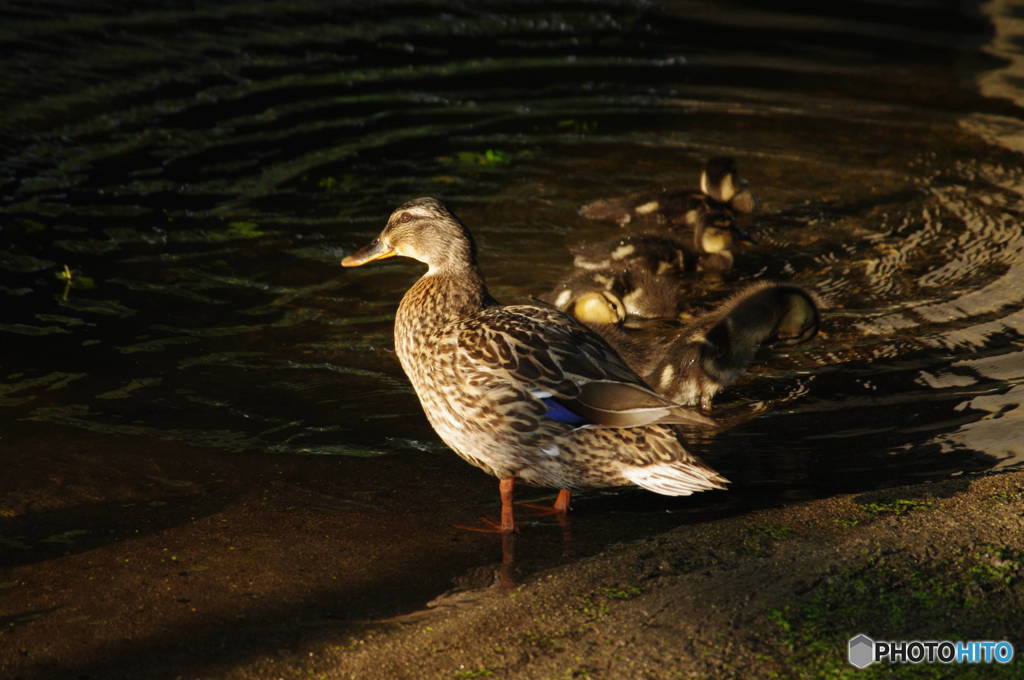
{"x": 722, "y": 182}
{"x": 423, "y": 230}
{"x": 599, "y": 306}
{"x": 719, "y": 179}
{"x": 799, "y": 319}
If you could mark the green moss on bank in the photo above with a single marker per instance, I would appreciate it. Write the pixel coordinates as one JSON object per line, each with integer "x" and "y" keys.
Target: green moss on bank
{"x": 978, "y": 595}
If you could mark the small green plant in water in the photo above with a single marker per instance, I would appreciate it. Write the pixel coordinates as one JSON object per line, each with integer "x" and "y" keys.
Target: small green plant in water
{"x": 485, "y": 159}
{"x": 244, "y": 228}
{"x": 235, "y": 230}
{"x": 579, "y": 127}
{"x": 72, "y": 278}
{"x": 67, "y": 537}
{"x": 345, "y": 183}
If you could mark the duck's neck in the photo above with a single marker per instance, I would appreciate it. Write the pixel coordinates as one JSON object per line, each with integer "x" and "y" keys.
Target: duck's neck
{"x": 441, "y": 297}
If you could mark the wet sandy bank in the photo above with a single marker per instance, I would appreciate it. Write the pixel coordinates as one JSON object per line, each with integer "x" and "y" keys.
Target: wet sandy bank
{"x": 129, "y": 558}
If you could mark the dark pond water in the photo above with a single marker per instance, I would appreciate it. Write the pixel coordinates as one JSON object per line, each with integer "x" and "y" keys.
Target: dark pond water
{"x": 198, "y": 172}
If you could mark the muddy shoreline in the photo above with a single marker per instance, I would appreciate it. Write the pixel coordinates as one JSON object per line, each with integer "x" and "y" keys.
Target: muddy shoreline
{"x": 163, "y": 561}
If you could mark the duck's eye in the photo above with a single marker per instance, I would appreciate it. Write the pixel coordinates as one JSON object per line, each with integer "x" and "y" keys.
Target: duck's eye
{"x": 404, "y": 217}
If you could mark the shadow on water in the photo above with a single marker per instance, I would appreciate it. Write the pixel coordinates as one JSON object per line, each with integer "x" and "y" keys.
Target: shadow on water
{"x": 40, "y": 536}
{"x": 173, "y": 212}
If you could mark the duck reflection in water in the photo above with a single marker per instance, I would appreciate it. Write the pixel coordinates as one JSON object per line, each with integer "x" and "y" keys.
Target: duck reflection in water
{"x": 525, "y": 392}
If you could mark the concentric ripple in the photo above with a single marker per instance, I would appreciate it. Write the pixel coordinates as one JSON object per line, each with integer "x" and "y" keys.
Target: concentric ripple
{"x": 178, "y": 185}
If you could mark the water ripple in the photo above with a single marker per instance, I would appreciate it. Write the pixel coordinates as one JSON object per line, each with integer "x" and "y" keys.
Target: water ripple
{"x": 178, "y": 186}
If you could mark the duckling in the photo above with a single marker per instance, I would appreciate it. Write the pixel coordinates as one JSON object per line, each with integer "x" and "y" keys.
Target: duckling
{"x": 641, "y": 276}
{"x": 720, "y": 188}
{"x": 521, "y": 391}
{"x": 690, "y": 364}
{"x": 714, "y": 237}
{"x": 715, "y": 233}
{"x": 646, "y": 295}
{"x": 617, "y": 294}
{"x": 589, "y": 286}
{"x": 658, "y": 253}
{"x": 721, "y": 181}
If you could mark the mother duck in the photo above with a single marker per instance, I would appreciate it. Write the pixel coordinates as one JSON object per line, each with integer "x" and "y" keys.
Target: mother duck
{"x": 521, "y": 391}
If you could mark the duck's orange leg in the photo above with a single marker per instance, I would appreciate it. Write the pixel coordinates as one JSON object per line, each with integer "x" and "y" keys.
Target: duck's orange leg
{"x": 560, "y": 509}
{"x": 506, "y": 487}
{"x": 507, "y": 524}
{"x": 561, "y": 506}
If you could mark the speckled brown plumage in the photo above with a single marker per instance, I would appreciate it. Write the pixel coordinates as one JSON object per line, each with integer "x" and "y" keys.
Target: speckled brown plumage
{"x": 489, "y": 376}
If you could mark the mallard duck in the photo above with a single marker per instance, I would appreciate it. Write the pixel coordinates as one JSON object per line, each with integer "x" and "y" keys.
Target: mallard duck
{"x": 524, "y": 392}
{"x": 720, "y": 188}
{"x": 691, "y": 363}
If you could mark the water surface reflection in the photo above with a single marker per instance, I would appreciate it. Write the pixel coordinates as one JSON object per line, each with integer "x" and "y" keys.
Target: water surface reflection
{"x": 174, "y": 209}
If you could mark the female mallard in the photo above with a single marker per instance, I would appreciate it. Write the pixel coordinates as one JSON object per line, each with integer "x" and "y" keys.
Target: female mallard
{"x": 690, "y": 364}
{"x": 520, "y": 391}
{"x": 720, "y": 188}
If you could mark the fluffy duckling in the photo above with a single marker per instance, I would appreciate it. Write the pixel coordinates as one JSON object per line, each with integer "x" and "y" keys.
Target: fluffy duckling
{"x": 657, "y": 253}
{"x": 720, "y": 188}
{"x": 690, "y": 364}
{"x": 617, "y": 294}
{"x": 714, "y": 236}
{"x": 641, "y": 276}
{"x": 521, "y": 391}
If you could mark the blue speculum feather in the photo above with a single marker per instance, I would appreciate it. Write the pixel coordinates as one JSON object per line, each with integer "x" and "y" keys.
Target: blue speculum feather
{"x": 562, "y": 414}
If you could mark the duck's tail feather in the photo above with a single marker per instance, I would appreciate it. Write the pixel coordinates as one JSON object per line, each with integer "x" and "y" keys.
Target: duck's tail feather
{"x": 675, "y": 479}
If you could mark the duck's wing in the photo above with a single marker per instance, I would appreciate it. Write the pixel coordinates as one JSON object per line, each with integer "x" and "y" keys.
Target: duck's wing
{"x": 545, "y": 357}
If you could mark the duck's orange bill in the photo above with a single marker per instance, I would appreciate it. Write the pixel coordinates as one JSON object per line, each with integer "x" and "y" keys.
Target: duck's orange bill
{"x": 368, "y": 253}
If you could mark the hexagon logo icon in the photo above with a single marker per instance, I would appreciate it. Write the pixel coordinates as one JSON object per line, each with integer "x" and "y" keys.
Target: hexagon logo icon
{"x": 862, "y": 651}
